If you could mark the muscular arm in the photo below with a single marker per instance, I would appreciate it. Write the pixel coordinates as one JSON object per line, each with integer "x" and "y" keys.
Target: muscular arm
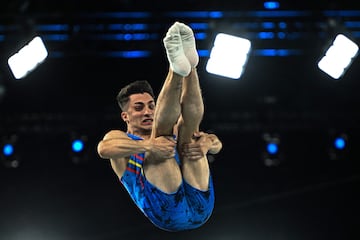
{"x": 116, "y": 144}
{"x": 118, "y": 147}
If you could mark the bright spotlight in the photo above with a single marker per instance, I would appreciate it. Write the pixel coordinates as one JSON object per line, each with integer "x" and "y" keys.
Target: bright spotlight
{"x": 272, "y": 148}
{"x": 28, "y": 58}
{"x": 8, "y": 149}
{"x": 339, "y": 148}
{"x": 272, "y": 156}
{"x": 228, "y": 56}
{"x": 339, "y": 143}
{"x": 78, "y": 145}
{"x": 271, "y": 5}
{"x": 338, "y": 57}
{"x": 78, "y": 148}
{"x": 9, "y": 155}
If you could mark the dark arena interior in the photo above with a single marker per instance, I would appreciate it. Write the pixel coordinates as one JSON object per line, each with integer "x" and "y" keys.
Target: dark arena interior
{"x": 307, "y": 190}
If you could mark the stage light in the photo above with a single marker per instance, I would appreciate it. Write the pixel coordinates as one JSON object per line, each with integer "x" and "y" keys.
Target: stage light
{"x": 228, "y": 56}
{"x": 8, "y": 149}
{"x": 340, "y": 143}
{"x": 272, "y": 148}
{"x": 271, "y": 5}
{"x": 272, "y": 154}
{"x": 28, "y": 58}
{"x": 9, "y": 153}
{"x": 338, "y": 57}
{"x": 78, "y": 148}
{"x": 339, "y": 149}
{"x": 78, "y": 145}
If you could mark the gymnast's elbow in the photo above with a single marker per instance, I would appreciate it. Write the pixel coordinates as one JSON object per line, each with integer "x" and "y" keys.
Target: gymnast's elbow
{"x": 104, "y": 150}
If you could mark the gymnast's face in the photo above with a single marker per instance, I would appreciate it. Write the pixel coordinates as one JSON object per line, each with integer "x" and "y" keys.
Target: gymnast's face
{"x": 139, "y": 114}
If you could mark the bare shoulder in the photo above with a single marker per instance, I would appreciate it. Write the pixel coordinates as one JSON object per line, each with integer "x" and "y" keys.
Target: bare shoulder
{"x": 114, "y": 134}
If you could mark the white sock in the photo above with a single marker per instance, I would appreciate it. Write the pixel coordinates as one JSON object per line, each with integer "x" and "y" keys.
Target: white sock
{"x": 175, "y": 52}
{"x": 189, "y": 44}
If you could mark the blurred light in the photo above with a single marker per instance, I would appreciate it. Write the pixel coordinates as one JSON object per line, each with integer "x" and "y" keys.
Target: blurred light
{"x": 128, "y": 54}
{"x": 77, "y": 145}
{"x": 338, "y": 149}
{"x": 271, "y": 155}
{"x": 203, "y": 53}
{"x": 128, "y": 27}
{"x": 199, "y": 26}
{"x": 135, "y": 15}
{"x": 268, "y": 25}
{"x": 8, "y": 149}
{"x": 79, "y": 148}
{"x": 52, "y": 27}
{"x": 125, "y": 36}
{"x": 200, "y": 36}
{"x": 228, "y": 56}
{"x": 276, "y": 52}
{"x": 352, "y": 24}
{"x": 279, "y": 14}
{"x": 55, "y": 37}
{"x": 341, "y": 13}
{"x": 272, "y": 148}
{"x": 281, "y": 35}
{"x": 338, "y": 57}
{"x": 216, "y": 14}
{"x": 271, "y": 5}
{"x": 339, "y": 143}
{"x": 266, "y": 35}
{"x": 282, "y": 25}
{"x": 9, "y": 155}
{"x": 195, "y": 14}
{"x": 28, "y": 58}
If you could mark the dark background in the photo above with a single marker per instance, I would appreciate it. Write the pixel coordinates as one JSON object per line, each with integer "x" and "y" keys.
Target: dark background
{"x": 51, "y": 195}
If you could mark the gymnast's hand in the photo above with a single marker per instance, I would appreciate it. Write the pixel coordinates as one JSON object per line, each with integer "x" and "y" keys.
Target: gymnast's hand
{"x": 197, "y": 148}
{"x": 162, "y": 148}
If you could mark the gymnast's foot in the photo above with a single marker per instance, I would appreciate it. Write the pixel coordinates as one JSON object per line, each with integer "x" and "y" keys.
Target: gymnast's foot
{"x": 179, "y": 63}
{"x": 189, "y": 44}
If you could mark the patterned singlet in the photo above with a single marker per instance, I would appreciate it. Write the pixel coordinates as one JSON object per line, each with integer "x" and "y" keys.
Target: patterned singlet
{"x": 185, "y": 209}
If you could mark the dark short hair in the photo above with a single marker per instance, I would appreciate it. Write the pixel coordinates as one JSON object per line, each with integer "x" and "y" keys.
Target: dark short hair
{"x": 140, "y": 86}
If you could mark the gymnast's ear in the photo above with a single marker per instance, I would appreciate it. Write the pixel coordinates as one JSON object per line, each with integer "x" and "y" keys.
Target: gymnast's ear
{"x": 124, "y": 116}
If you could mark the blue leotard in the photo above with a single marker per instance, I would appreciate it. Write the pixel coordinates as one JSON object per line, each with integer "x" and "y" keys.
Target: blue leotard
{"x": 185, "y": 209}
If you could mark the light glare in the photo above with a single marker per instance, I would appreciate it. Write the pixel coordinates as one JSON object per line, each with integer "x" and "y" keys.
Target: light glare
{"x": 339, "y": 143}
{"x": 77, "y": 145}
{"x": 338, "y": 57}
{"x": 8, "y": 149}
{"x": 27, "y": 58}
{"x": 272, "y": 148}
{"x": 228, "y": 56}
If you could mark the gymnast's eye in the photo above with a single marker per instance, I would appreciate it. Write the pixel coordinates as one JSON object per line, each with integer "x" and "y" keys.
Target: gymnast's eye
{"x": 152, "y": 106}
{"x": 139, "y": 107}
